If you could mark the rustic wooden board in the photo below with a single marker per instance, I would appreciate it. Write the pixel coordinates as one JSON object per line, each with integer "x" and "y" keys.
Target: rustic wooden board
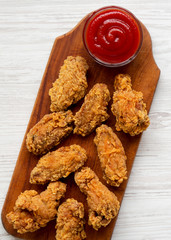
{"x": 145, "y": 75}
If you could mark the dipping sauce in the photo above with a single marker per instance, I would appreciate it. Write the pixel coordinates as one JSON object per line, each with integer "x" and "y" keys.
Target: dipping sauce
{"x": 112, "y": 36}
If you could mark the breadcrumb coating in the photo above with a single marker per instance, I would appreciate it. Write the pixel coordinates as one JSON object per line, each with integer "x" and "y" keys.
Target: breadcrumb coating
{"x": 111, "y": 154}
{"x": 33, "y": 211}
{"x": 71, "y": 85}
{"x": 58, "y": 164}
{"x": 93, "y": 111}
{"x": 70, "y": 221}
{"x": 128, "y": 107}
{"x": 103, "y": 204}
{"x": 49, "y": 132}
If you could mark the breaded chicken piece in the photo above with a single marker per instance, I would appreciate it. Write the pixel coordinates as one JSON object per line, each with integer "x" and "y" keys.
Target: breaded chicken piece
{"x": 33, "y": 211}
{"x": 93, "y": 111}
{"x": 58, "y": 164}
{"x": 71, "y": 85}
{"x": 103, "y": 204}
{"x": 70, "y": 221}
{"x": 128, "y": 107}
{"x": 111, "y": 154}
{"x": 49, "y": 132}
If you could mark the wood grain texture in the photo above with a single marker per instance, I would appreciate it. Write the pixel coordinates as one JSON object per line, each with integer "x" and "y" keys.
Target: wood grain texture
{"x": 28, "y": 29}
{"x": 144, "y": 78}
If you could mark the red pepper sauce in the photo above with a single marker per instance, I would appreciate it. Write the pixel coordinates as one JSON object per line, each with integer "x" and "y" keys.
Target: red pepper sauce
{"x": 112, "y": 36}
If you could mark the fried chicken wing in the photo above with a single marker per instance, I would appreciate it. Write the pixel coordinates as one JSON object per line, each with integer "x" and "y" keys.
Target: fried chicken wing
{"x": 103, "y": 204}
{"x": 49, "y": 132}
{"x": 58, "y": 164}
{"x": 128, "y": 107}
{"x": 71, "y": 85}
{"x": 93, "y": 111}
{"x": 111, "y": 154}
{"x": 70, "y": 221}
{"x": 33, "y": 211}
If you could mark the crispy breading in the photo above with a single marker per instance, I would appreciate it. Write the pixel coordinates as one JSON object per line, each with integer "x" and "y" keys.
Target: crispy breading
{"x": 111, "y": 154}
{"x": 70, "y": 221}
{"x": 49, "y": 132}
{"x": 33, "y": 211}
{"x": 128, "y": 107}
{"x": 58, "y": 164}
{"x": 71, "y": 85}
{"x": 103, "y": 204}
{"x": 93, "y": 111}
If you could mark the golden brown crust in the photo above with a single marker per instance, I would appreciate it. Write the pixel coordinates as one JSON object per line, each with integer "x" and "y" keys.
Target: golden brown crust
{"x": 33, "y": 211}
{"x": 93, "y": 111}
{"x": 103, "y": 204}
{"x": 111, "y": 154}
{"x": 49, "y": 132}
{"x": 128, "y": 107}
{"x": 58, "y": 164}
{"x": 70, "y": 221}
{"x": 71, "y": 85}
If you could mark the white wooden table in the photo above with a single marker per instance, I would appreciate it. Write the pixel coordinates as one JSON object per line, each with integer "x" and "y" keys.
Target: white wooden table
{"x": 27, "y": 32}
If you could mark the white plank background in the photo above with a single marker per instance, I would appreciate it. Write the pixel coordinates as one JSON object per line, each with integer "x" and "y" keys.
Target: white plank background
{"x": 27, "y": 32}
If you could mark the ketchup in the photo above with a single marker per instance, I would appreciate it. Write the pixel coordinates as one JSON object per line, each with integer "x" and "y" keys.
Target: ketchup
{"x": 112, "y": 35}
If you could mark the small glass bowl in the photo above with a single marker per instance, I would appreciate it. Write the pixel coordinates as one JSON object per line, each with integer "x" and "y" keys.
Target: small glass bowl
{"x": 93, "y": 55}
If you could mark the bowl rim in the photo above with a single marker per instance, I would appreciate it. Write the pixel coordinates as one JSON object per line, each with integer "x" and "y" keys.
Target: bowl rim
{"x": 104, "y": 63}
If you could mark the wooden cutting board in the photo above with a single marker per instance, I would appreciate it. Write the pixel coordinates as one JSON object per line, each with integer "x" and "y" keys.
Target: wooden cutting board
{"x": 144, "y": 73}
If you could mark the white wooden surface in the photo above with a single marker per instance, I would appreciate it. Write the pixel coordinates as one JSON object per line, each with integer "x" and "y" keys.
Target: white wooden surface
{"x": 27, "y": 32}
